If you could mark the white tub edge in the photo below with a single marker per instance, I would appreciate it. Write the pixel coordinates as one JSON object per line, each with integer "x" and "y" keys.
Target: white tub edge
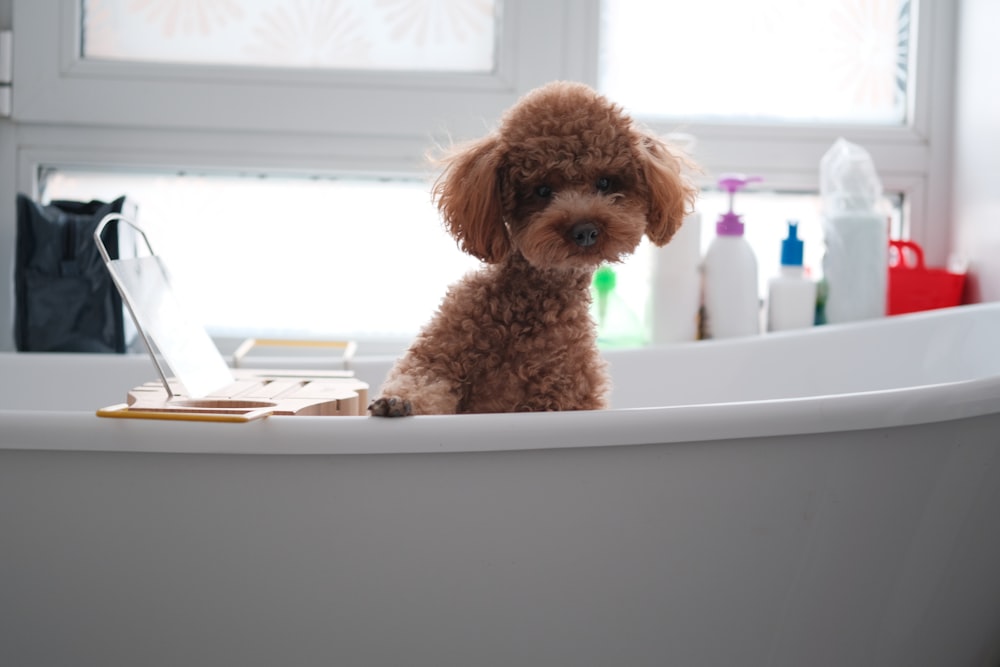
{"x": 81, "y": 431}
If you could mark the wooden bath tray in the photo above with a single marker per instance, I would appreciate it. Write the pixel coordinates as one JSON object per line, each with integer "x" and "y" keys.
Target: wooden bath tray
{"x": 193, "y": 395}
{"x": 254, "y": 394}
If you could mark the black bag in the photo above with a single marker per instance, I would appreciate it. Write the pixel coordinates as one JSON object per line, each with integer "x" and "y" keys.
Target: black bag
{"x": 64, "y": 298}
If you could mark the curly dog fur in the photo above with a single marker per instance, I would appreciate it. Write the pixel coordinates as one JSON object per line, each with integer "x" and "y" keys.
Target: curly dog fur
{"x": 567, "y": 182}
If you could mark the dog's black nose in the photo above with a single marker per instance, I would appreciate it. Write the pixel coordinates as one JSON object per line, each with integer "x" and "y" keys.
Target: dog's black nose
{"x": 584, "y": 233}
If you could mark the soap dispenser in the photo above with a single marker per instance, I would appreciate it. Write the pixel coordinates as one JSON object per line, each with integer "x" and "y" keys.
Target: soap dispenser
{"x": 791, "y": 300}
{"x": 732, "y": 298}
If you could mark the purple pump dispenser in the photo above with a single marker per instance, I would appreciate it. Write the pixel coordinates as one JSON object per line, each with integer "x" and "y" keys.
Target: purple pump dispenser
{"x": 731, "y": 224}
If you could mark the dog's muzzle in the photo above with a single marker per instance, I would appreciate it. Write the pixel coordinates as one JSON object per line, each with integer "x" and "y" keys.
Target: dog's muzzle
{"x": 584, "y": 234}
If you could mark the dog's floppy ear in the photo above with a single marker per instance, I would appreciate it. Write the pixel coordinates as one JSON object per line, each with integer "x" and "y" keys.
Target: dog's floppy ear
{"x": 671, "y": 195}
{"x": 468, "y": 196}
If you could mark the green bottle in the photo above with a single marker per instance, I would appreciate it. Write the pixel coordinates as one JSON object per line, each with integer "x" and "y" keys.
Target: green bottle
{"x": 617, "y": 325}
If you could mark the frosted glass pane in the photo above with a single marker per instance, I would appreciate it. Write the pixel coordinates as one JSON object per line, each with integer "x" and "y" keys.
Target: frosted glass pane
{"x": 815, "y": 60}
{"x": 410, "y": 35}
{"x": 289, "y": 256}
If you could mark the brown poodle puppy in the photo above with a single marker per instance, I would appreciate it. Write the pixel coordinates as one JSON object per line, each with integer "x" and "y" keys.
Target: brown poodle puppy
{"x": 566, "y": 183}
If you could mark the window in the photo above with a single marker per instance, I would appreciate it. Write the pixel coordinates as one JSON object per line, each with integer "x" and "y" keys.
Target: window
{"x": 455, "y": 35}
{"x": 784, "y": 60}
{"x": 297, "y": 257}
{"x": 84, "y": 109}
{"x": 767, "y": 87}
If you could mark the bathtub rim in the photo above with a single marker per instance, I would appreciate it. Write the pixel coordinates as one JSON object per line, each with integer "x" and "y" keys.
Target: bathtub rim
{"x": 882, "y": 409}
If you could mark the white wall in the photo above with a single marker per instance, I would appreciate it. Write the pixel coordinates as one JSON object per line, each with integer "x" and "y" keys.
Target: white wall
{"x": 976, "y": 197}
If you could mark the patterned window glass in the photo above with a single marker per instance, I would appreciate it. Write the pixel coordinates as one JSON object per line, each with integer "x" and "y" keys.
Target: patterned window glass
{"x": 399, "y": 35}
{"x": 777, "y": 60}
{"x": 286, "y": 255}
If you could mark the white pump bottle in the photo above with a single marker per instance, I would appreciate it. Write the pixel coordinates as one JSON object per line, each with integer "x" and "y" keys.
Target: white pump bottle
{"x": 732, "y": 298}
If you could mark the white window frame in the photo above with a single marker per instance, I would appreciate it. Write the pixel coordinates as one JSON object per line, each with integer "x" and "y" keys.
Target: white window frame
{"x": 302, "y": 119}
{"x": 913, "y": 159}
{"x": 68, "y": 111}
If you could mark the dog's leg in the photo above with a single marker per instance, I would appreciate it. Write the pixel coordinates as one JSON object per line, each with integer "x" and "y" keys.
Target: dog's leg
{"x": 403, "y": 395}
{"x": 390, "y": 406}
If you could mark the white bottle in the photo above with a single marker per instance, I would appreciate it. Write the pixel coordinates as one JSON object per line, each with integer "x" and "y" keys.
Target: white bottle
{"x": 731, "y": 297}
{"x": 856, "y": 263}
{"x": 675, "y": 294}
{"x": 791, "y": 302}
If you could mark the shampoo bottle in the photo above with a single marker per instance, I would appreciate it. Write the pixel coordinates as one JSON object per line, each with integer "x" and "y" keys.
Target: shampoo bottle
{"x": 674, "y": 306}
{"x": 675, "y": 288}
{"x": 732, "y": 300}
{"x": 791, "y": 302}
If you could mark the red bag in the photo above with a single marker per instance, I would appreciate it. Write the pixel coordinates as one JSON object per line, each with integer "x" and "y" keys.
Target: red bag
{"x": 914, "y": 287}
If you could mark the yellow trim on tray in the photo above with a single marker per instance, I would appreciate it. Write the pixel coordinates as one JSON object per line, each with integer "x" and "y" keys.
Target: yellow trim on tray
{"x": 122, "y": 411}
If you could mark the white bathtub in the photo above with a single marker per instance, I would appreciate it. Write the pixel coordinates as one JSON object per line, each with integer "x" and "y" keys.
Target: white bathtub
{"x": 826, "y": 498}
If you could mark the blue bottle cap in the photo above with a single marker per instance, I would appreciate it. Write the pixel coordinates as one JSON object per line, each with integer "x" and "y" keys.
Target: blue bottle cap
{"x": 791, "y": 248}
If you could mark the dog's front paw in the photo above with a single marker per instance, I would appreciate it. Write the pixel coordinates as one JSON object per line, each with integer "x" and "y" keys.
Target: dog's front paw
{"x": 390, "y": 406}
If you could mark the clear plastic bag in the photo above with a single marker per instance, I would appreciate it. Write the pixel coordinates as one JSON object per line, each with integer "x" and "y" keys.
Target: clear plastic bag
{"x": 848, "y": 180}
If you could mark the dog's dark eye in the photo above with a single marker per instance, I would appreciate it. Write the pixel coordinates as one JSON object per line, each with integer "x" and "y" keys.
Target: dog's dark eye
{"x": 543, "y": 191}
{"x": 603, "y": 184}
